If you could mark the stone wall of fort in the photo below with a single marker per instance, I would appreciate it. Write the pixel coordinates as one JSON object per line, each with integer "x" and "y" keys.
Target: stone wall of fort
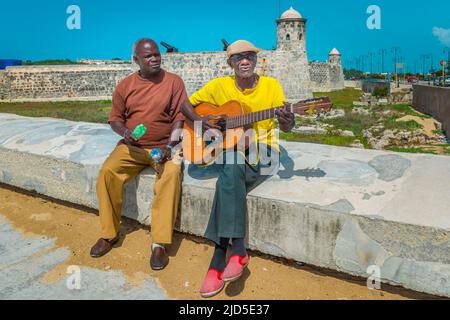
{"x": 28, "y": 83}
{"x": 298, "y": 79}
{"x": 326, "y": 76}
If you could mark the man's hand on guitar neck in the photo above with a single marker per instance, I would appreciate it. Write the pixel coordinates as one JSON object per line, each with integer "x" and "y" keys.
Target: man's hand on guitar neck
{"x": 207, "y": 124}
{"x": 286, "y": 118}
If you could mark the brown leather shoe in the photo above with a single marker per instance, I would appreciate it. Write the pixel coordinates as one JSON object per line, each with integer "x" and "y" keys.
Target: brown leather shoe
{"x": 159, "y": 259}
{"x": 103, "y": 246}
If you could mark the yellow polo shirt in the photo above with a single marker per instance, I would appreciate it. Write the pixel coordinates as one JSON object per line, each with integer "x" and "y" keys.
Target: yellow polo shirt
{"x": 267, "y": 94}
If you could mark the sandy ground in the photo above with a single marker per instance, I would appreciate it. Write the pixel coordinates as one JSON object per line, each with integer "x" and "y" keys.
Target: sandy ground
{"x": 266, "y": 277}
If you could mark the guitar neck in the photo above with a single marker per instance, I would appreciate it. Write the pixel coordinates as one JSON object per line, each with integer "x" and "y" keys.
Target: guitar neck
{"x": 300, "y": 108}
{"x": 249, "y": 118}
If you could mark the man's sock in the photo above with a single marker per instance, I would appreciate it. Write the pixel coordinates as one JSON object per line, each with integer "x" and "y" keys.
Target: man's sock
{"x": 218, "y": 260}
{"x": 238, "y": 247}
{"x": 155, "y": 245}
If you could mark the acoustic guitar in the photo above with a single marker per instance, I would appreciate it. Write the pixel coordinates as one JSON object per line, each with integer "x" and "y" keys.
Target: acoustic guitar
{"x": 234, "y": 119}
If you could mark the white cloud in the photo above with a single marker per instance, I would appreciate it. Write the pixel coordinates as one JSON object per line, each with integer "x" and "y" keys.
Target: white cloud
{"x": 443, "y": 35}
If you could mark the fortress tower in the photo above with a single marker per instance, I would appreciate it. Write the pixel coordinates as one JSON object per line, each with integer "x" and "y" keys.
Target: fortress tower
{"x": 291, "y": 31}
{"x": 334, "y": 57}
{"x": 290, "y": 63}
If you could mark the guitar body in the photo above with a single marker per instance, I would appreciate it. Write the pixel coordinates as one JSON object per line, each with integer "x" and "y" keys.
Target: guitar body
{"x": 194, "y": 146}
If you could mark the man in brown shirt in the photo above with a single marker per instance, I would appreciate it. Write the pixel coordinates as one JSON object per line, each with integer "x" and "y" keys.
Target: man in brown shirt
{"x": 152, "y": 97}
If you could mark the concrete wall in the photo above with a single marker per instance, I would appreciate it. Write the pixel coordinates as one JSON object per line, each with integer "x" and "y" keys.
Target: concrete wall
{"x": 434, "y": 101}
{"x": 353, "y": 84}
{"x": 339, "y": 208}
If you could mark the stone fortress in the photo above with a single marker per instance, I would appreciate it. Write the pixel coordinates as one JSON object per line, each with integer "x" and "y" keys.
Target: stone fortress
{"x": 288, "y": 63}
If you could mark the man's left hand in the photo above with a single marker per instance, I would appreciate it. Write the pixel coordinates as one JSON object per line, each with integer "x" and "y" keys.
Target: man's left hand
{"x": 166, "y": 155}
{"x": 286, "y": 119}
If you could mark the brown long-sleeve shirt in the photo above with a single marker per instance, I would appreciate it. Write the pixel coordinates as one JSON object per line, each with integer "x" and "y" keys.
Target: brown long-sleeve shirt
{"x": 155, "y": 104}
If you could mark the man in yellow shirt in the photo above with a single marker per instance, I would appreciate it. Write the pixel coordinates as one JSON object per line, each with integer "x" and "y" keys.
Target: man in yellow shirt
{"x": 229, "y": 211}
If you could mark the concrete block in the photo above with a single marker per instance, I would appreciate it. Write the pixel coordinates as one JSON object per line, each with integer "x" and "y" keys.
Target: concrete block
{"x": 339, "y": 208}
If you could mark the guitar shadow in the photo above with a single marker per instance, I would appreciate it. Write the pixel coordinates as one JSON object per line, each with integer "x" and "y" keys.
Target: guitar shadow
{"x": 211, "y": 171}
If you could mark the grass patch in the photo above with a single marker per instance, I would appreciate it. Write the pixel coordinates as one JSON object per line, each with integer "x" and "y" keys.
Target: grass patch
{"x": 438, "y": 131}
{"x": 304, "y": 121}
{"x": 88, "y": 111}
{"x": 48, "y": 62}
{"x": 342, "y": 98}
{"x": 406, "y": 109}
{"x": 392, "y": 123}
{"x": 318, "y": 138}
{"x": 410, "y": 150}
{"x": 354, "y": 122}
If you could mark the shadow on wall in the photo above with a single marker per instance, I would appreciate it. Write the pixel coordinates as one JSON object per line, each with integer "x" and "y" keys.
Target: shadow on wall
{"x": 212, "y": 171}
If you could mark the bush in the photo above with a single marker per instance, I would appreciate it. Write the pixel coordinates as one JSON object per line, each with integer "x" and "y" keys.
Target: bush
{"x": 380, "y": 92}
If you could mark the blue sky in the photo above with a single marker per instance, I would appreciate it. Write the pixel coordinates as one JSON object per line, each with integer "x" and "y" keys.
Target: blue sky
{"x": 37, "y": 30}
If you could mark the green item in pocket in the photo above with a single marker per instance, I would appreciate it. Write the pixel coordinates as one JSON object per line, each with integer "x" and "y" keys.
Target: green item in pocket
{"x": 139, "y": 131}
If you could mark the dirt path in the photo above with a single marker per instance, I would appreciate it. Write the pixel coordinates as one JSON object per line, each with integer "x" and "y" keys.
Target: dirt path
{"x": 266, "y": 278}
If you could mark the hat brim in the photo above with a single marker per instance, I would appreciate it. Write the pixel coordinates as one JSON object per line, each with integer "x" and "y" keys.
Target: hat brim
{"x": 256, "y": 50}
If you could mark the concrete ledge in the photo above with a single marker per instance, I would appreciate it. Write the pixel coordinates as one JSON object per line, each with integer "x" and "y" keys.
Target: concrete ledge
{"x": 340, "y": 208}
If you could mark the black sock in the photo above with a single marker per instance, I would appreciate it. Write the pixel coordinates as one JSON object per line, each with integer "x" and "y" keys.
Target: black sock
{"x": 238, "y": 247}
{"x": 218, "y": 260}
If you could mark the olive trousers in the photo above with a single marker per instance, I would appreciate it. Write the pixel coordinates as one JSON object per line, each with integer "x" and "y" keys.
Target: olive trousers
{"x": 124, "y": 164}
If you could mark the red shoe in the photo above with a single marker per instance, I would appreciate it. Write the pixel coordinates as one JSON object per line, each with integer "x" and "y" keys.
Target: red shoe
{"x": 235, "y": 267}
{"x": 212, "y": 284}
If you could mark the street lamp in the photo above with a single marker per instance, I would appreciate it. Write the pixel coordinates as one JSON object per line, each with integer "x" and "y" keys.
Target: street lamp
{"x": 349, "y": 63}
{"x": 448, "y": 59}
{"x": 371, "y": 56}
{"x": 383, "y": 53}
{"x": 402, "y": 63}
{"x": 362, "y": 63}
{"x": 424, "y": 57}
{"x": 396, "y": 50}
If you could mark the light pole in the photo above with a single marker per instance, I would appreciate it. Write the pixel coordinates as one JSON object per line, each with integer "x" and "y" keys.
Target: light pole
{"x": 403, "y": 64}
{"x": 349, "y": 64}
{"x": 357, "y": 64}
{"x": 396, "y": 50}
{"x": 424, "y": 57}
{"x": 383, "y": 53}
{"x": 371, "y": 56}
{"x": 431, "y": 64}
{"x": 362, "y": 63}
{"x": 448, "y": 59}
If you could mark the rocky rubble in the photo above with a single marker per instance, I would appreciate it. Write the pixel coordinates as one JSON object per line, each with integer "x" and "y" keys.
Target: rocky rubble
{"x": 403, "y": 95}
{"x": 403, "y": 138}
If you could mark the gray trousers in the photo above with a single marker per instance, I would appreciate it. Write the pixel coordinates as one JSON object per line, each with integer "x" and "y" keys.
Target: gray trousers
{"x": 228, "y": 218}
